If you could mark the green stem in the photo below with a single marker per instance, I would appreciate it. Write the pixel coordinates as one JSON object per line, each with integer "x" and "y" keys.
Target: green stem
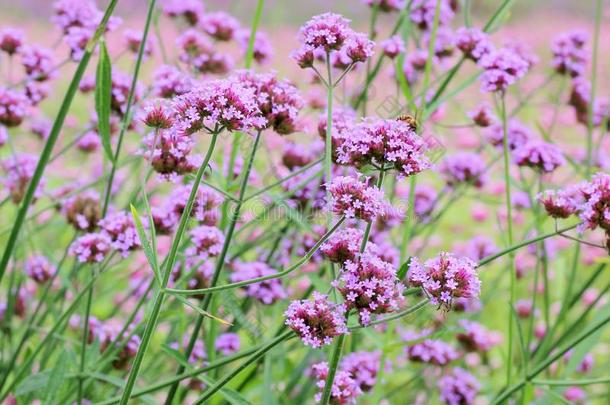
{"x": 332, "y": 369}
{"x": 52, "y": 139}
{"x": 127, "y": 115}
{"x": 328, "y": 147}
{"x": 509, "y": 221}
{"x": 406, "y": 237}
{"x": 160, "y": 294}
{"x": 598, "y": 18}
{"x": 83, "y": 353}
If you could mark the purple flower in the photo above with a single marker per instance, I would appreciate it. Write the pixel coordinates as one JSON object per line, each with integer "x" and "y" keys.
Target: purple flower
{"x": 539, "y": 155}
{"x": 483, "y": 116}
{"x": 198, "y": 274}
{"x": 345, "y": 389}
{"x": 343, "y": 119}
{"x": 207, "y": 241}
{"x": 458, "y": 387}
{"x": 39, "y": 269}
{"x": 444, "y": 43}
{"x": 218, "y": 104}
{"x": 501, "y": 68}
{"x": 191, "y": 10}
{"x": 445, "y": 278}
{"x": 317, "y": 321}
{"x": 19, "y": 171}
{"x": 479, "y": 247}
{"x": 11, "y": 39}
{"x": 163, "y": 220}
{"x": 358, "y": 47}
{"x": 473, "y": 43}
{"x": 569, "y": 56}
{"x": 430, "y": 351}
{"x": 278, "y": 100}
{"x": 121, "y": 84}
{"x": 204, "y": 206}
{"x": 262, "y": 50}
{"x": 327, "y": 31}
{"x": 268, "y": 291}
{"x": 121, "y": 230}
{"x": 227, "y": 343}
{"x": 517, "y": 134}
{"x": 594, "y": 203}
{"x": 82, "y": 210}
{"x": 464, "y": 168}
{"x": 14, "y": 106}
{"x": 171, "y": 156}
{"x": 199, "y": 53}
{"x": 169, "y": 81}
{"x": 75, "y": 13}
{"x": 342, "y": 245}
{"x": 91, "y": 247}
{"x": 133, "y": 41}
{"x": 297, "y": 155}
{"x": 382, "y": 142}
{"x": 423, "y": 12}
{"x": 77, "y": 39}
{"x": 355, "y": 199}
{"x": 363, "y": 367}
{"x": 477, "y": 338}
{"x": 370, "y": 286}
{"x": 219, "y": 25}
{"x": 393, "y": 46}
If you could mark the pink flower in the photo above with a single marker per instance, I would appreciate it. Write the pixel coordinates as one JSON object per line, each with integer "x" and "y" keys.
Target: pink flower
{"x": 14, "y": 107}
{"x": 169, "y": 81}
{"x": 91, "y": 247}
{"x": 423, "y": 12}
{"x": 476, "y": 337}
{"x": 345, "y": 389}
{"x": 393, "y": 46}
{"x": 19, "y": 170}
{"x": 82, "y": 210}
{"x": 569, "y": 56}
{"x": 539, "y": 155}
{"x": 121, "y": 230}
{"x": 317, "y": 321}
{"x": 473, "y": 43}
{"x": 227, "y": 343}
{"x": 11, "y": 39}
{"x": 458, "y": 387}
{"x": 464, "y": 168}
{"x": 387, "y": 5}
{"x": 133, "y": 41}
{"x": 219, "y": 25}
{"x": 354, "y": 199}
{"x": 327, "y": 31}
{"x": 343, "y": 245}
{"x": 207, "y": 241}
{"x": 429, "y": 351}
{"x": 191, "y": 10}
{"x": 268, "y": 291}
{"x": 502, "y": 68}
{"x": 39, "y": 269}
{"x": 358, "y": 47}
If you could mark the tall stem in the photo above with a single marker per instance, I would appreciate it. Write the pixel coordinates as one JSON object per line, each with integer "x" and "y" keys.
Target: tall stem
{"x": 511, "y": 255}
{"x": 160, "y": 293}
{"x": 598, "y": 17}
{"x": 328, "y": 150}
{"x": 85, "y": 339}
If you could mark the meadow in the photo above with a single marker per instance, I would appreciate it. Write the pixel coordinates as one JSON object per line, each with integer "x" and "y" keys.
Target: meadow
{"x": 267, "y": 202}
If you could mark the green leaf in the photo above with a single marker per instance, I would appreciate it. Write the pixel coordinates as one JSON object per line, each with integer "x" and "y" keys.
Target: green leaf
{"x": 58, "y": 374}
{"x": 402, "y": 270}
{"x": 151, "y": 255}
{"x": 103, "y": 91}
{"x": 33, "y": 383}
{"x": 198, "y": 309}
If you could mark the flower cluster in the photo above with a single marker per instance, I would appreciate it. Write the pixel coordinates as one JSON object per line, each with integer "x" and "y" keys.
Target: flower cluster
{"x": 121, "y": 230}
{"x": 370, "y": 286}
{"x": 517, "y": 134}
{"x": 542, "y": 156}
{"x": 569, "y": 56}
{"x": 473, "y": 43}
{"x": 11, "y": 39}
{"x": 382, "y": 142}
{"x": 363, "y": 367}
{"x": 502, "y": 68}
{"x": 170, "y": 153}
{"x": 458, "y": 387}
{"x": 227, "y": 343}
{"x": 207, "y": 241}
{"x": 39, "y": 269}
{"x": 343, "y": 245}
{"x": 445, "y": 278}
{"x": 91, "y": 247}
{"x": 14, "y": 107}
{"x": 423, "y": 13}
{"x": 268, "y": 291}
{"x": 82, "y": 210}
{"x": 355, "y": 199}
{"x": 393, "y": 46}
{"x": 169, "y": 81}
{"x": 37, "y": 62}
{"x": 345, "y": 390}
{"x": 317, "y": 321}
{"x": 464, "y": 168}
{"x": 219, "y": 25}
{"x": 477, "y": 338}
{"x": 429, "y": 351}
{"x": 19, "y": 171}
{"x": 200, "y": 54}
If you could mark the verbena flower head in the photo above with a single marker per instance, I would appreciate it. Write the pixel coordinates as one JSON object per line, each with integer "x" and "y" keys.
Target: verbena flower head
{"x": 219, "y": 25}
{"x": 423, "y": 12}
{"x": 278, "y": 100}
{"x": 370, "y": 286}
{"x": 458, "y": 387}
{"x": 445, "y": 278}
{"x": 133, "y": 41}
{"x": 326, "y": 31}
{"x": 169, "y": 81}
{"x": 355, "y": 199}
{"x": 198, "y": 273}
{"x": 558, "y": 204}
{"x": 501, "y": 68}
{"x": 171, "y": 156}
{"x": 317, "y": 321}
{"x": 387, "y": 5}
{"x": 200, "y": 53}
{"x": 204, "y": 206}
{"x": 227, "y": 343}
{"x": 464, "y": 168}
{"x": 569, "y": 54}
{"x": 482, "y": 116}
{"x": 163, "y": 219}
{"x": 82, "y": 210}
{"x": 75, "y": 13}
{"x": 268, "y": 291}
{"x": 479, "y": 247}
{"x": 39, "y": 269}
{"x": 207, "y": 241}
{"x": 297, "y": 155}
{"x": 358, "y": 47}
{"x": 363, "y": 367}
{"x": 444, "y": 43}
{"x": 343, "y": 120}
{"x": 430, "y": 351}
{"x": 343, "y": 245}
{"x": 11, "y": 39}
{"x": 425, "y": 200}
{"x": 382, "y": 142}
{"x": 594, "y": 203}
{"x": 542, "y": 156}
{"x": 77, "y": 39}
{"x": 393, "y": 46}
{"x": 219, "y": 104}
{"x": 474, "y": 43}
{"x": 14, "y": 107}
{"x": 121, "y": 230}
{"x": 19, "y": 170}
{"x": 262, "y": 51}
{"x": 517, "y": 134}
{"x": 121, "y": 84}
{"x": 190, "y": 10}
{"x": 477, "y": 338}
{"x": 91, "y": 247}
{"x": 345, "y": 389}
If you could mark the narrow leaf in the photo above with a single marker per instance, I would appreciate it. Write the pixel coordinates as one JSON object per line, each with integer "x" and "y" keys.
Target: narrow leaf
{"x": 103, "y": 89}
{"x": 201, "y": 311}
{"x": 148, "y": 252}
